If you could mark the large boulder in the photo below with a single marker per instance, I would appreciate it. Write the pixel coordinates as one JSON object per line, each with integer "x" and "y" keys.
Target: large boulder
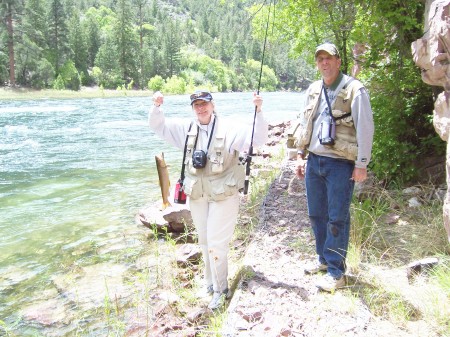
{"x": 431, "y": 54}
{"x": 174, "y": 219}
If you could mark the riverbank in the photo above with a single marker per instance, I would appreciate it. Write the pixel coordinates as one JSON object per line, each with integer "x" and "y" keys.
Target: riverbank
{"x": 7, "y": 93}
{"x": 271, "y": 295}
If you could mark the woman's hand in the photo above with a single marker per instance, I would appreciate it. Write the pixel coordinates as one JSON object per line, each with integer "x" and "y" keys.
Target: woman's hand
{"x": 158, "y": 98}
{"x": 257, "y": 101}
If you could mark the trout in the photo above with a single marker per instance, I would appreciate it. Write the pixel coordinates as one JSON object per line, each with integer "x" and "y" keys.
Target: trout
{"x": 164, "y": 182}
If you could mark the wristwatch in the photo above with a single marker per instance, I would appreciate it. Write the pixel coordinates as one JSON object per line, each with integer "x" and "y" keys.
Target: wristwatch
{"x": 301, "y": 153}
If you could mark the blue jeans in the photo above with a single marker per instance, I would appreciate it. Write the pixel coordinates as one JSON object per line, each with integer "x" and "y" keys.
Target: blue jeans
{"x": 329, "y": 191}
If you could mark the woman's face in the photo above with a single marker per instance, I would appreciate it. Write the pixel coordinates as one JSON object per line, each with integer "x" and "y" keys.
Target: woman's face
{"x": 203, "y": 110}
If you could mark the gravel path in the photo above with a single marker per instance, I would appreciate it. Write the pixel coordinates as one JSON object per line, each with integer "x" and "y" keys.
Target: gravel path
{"x": 275, "y": 298}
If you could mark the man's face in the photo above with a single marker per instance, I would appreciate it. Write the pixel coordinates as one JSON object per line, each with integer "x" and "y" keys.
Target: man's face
{"x": 203, "y": 110}
{"x": 328, "y": 66}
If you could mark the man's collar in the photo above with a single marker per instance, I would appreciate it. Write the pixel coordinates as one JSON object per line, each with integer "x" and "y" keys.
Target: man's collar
{"x": 336, "y": 81}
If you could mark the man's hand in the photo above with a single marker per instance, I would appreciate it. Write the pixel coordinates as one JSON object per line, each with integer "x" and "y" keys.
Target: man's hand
{"x": 301, "y": 168}
{"x": 359, "y": 174}
{"x": 158, "y": 98}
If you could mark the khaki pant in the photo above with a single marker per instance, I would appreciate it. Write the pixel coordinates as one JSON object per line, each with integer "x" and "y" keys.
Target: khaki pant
{"x": 215, "y": 222}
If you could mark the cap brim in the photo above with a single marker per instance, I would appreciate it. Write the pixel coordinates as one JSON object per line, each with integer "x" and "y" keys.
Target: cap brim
{"x": 201, "y": 99}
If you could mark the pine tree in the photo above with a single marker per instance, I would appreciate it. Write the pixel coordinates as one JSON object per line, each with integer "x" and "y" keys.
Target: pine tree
{"x": 9, "y": 10}
{"x": 58, "y": 34}
{"x": 78, "y": 46}
{"x": 126, "y": 40}
{"x": 172, "y": 48}
{"x": 33, "y": 67}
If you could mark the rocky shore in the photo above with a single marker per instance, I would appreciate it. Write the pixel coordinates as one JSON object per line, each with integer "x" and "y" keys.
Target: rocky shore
{"x": 271, "y": 295}
{"x": 145, "y": 282}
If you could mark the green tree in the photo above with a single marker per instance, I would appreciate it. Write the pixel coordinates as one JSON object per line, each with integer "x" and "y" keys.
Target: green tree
{"x": 92, "y": 34}
{"x": 251, "y": 72}
{"x": 383, "y": 30}
{"x": 108, "y": 74}
{"x": 144, "y": 30}
{"x": 9, "y": 11}
{"x": 33, "y": 48}
{"x": 58, "y": 34}
{"x": 126, "y": 41}
{"x": 78, "y": 46}
{"x": 402, "y": 103}
{"x": 171, "y": 47}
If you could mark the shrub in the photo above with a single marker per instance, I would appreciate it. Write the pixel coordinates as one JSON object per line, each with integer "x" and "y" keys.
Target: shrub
{"x": 175, "y": 85}
{"x": 156, "y": 83}
{"x": 68, "y": 77}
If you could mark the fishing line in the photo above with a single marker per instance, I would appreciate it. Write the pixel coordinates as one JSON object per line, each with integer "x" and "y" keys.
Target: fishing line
{"x": 250, "y": 150}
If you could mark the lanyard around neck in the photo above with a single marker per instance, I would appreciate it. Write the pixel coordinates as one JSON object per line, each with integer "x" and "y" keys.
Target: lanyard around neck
{"x": 326, "y": 98}
{"x": 210, "y": 135}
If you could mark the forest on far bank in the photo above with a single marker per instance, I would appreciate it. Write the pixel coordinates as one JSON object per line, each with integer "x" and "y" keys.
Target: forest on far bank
{"x": 179, "y": 45}
{"x": 174, "y": 45}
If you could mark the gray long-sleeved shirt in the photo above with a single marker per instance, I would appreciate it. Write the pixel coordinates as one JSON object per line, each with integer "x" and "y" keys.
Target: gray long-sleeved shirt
{"x": 362, "y": 117}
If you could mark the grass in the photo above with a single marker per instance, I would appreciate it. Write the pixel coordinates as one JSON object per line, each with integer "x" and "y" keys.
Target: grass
{"x": 386, "y": 233}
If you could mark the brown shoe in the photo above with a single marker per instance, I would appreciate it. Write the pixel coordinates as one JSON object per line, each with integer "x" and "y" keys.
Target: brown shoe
{"x": 315, "y": 268}
{"x": 330, "y": 284}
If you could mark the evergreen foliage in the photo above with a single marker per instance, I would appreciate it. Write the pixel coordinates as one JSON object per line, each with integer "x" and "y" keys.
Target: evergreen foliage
{"x": 115, "y": 43}
{"x": 383, "y": 31}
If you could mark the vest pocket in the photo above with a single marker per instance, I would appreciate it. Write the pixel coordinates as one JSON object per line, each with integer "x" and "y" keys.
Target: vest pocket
{"x": 345, "y": 149}
{"x": 216, "y": 164}
{"x": 221, "y": 188}
{"x": 192, "y": 187}
{"x": 346, "y": 121}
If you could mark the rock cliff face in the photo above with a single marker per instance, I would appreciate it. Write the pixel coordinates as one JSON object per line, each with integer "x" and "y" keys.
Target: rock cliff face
{"x": 432, "y": 54}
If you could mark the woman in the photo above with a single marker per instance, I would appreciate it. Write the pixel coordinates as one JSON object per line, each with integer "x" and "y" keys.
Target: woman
{"x": 214, "y": 176}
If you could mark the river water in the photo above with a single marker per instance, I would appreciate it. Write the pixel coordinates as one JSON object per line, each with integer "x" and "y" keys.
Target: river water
{"x": 74, "y": 171}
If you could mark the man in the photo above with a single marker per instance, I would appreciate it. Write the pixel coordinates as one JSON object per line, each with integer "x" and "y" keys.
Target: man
{"x": 214, "y": 176}
{"x": 332, "y": 155}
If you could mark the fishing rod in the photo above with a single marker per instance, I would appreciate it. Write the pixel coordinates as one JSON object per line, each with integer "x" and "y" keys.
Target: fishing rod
{"x": 250, "y": 149}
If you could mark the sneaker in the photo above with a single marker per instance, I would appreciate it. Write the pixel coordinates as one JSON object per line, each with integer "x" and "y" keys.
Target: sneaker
{"x": 219, "y": 298}
{"x": 205, "y": 291}
{"x": 217, "y": 301}
{"x": 316, "y": 268}
{"x": 330, "y": 284}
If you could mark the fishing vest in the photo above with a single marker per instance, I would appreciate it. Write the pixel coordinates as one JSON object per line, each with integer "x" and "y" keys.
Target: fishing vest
{"x": 223, "y": 175}
{"x": 345, "y": 145}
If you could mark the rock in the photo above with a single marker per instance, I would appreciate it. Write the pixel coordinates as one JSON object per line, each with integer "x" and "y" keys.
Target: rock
{"x": 411, "y": 191}
{"x": 47, "y": 313}
{"x": 174, "y": 219}
{"x": 414, "y": 202}
{"x": 90, "y": 286}
{"x": 188, "y": 254}
{"x": 431, "y": 55}
{"x": 195, "y": 315}
{"x": 417, "y": 267}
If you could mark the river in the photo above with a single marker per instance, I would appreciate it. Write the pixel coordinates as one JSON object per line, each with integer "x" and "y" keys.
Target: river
{"x": 77, "y": 171}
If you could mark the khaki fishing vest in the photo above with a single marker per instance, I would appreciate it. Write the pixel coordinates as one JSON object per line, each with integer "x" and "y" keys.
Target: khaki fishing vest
{"x": 345, "y": 145}
{"x": 223, "y": 175}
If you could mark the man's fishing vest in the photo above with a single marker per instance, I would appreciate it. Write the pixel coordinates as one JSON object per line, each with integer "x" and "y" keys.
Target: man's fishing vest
{"x": 345, "y": 144}
{"x": 223, "y": 174}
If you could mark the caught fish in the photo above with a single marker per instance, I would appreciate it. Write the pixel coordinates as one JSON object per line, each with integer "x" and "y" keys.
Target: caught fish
{"x": 164, "y": 182}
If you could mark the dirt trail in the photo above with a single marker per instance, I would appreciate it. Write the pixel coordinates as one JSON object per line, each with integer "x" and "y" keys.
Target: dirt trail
{"x": 274, "y": 297}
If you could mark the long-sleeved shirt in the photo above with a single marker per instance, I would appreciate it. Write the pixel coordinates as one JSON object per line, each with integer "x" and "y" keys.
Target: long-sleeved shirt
{"x": 238, "y": 134}
{"x": 362, "y": 118}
